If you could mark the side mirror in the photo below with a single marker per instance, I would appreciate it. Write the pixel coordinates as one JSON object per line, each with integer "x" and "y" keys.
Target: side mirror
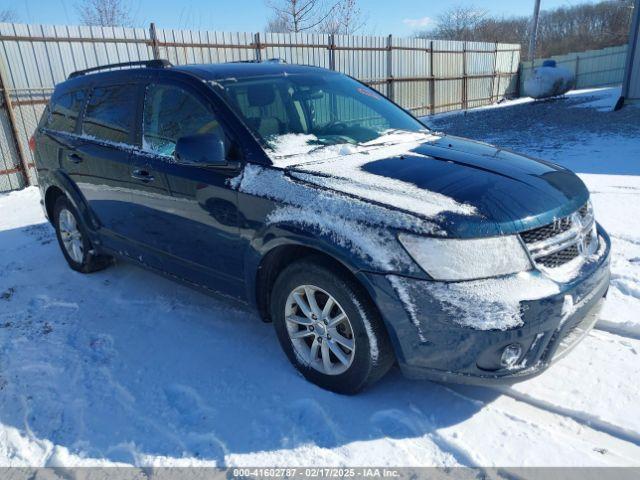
{"x": 201, "y": 150}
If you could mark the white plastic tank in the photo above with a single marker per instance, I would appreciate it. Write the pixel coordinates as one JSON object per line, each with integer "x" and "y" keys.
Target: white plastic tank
{"x": 549, "y": 80}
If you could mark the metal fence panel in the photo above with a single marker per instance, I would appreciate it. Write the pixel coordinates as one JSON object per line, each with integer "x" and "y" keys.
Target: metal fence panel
{"x": 421, "y": 75}
{"x": 413, "y": 83}
{"x": 299, "y": 48}
{"x": 592, "y": 68}
{"x": 9, "y": 163}
{"x": 182, "y": 47}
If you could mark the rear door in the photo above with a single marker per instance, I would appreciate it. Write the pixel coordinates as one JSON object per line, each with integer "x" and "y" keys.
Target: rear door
{"x": 57, "y": 144}
{"x": 190, "y": 212}
{"x": 100, "y": 164}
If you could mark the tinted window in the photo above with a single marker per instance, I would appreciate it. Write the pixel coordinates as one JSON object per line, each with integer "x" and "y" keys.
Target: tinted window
{"x": 170, "y": 113}
{"x": 64, "y": 111}
{"x": 110, "y": 113}
{"x": 333, "y": 108}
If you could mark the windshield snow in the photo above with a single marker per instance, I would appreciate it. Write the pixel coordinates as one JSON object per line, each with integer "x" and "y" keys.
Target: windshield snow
{"x": 302, "y": 113}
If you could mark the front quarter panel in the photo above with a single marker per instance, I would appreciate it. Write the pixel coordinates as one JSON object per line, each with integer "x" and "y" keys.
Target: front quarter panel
{"x": 276, "y": 209}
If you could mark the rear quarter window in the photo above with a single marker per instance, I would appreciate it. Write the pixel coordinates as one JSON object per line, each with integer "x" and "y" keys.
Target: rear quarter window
{"x": 110, "y": 113}
{"x": 64, "y": 110}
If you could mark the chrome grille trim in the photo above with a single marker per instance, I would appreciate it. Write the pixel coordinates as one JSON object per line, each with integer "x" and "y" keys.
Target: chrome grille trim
{"x": 563, "y": 240}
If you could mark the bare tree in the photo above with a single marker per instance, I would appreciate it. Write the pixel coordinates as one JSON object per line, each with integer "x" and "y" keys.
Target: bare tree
{"x": 347, "y": 18}
{"x": 562, "y": 30}
{"x": 277, "y": 25}
{"x": 8, "y": 16}
{"x": 458, "y": 22}
{"x": 106, "y": 13}
{"x": 300, "y": 15}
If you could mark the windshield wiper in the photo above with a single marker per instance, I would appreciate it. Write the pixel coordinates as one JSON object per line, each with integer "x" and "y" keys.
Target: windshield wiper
{"x": 386, "y": 133}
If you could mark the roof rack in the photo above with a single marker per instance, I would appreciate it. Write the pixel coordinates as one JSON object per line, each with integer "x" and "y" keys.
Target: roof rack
{"x": 142, "y": 63}
{"x": 269, "y": 60}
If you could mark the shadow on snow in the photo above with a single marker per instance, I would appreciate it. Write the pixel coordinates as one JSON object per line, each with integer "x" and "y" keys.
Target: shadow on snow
{"x": 123, "y": 364}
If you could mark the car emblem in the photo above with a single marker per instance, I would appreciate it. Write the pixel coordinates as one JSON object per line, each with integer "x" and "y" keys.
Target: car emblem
{"x": 584, "y": 238}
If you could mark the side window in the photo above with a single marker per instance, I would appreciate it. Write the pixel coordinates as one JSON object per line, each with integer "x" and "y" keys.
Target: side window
{"x": 170, "y": 113}
{"x": 64, "y": 111}
{"x": 110, "y": 113}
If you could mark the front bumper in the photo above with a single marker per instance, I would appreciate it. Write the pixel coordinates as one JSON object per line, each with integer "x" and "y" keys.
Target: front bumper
{"x": 430, "y": 344}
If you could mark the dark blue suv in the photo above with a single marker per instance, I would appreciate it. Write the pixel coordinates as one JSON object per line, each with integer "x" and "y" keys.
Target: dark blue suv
{"x": 365, "y": 237}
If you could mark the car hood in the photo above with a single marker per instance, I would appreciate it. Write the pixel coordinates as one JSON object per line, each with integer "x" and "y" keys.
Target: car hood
{"x": 468, "y": 188}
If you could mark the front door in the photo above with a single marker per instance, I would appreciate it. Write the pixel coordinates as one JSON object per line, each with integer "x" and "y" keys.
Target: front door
{"x": 186, "y": 213}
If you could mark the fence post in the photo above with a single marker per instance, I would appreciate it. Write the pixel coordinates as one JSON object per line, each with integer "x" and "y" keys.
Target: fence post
{"x": 332, "y": 52}
{"x": 577, "y": 70}
{"x": 24, "y": 166}
{"x": 465, "y": 103}
{"x": 432, "y": 93}
{"x": 155, "y": 47}
{"x": 495, "y": 73}
{"x": 390, "y": 80}
{"x": 256, "y": 40}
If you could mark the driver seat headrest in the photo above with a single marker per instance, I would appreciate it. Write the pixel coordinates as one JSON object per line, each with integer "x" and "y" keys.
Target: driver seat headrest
{"x": 261, "y": 95}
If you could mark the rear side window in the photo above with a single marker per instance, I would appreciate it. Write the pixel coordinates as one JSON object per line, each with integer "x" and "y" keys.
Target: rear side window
{"x": 110, "y": 113}
{"x": 64, "y": 111}
{"x": 170, "y": 113}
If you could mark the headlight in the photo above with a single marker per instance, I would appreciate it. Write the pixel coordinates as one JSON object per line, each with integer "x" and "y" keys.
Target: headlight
{"x": 451, "y": 259}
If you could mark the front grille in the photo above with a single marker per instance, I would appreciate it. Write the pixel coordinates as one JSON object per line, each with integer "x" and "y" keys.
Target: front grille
{"x": 546, "y": 232}
{"x": 562, "y": 240}
{"x": 584, "y": 210}
{"x": 558, "y": 259}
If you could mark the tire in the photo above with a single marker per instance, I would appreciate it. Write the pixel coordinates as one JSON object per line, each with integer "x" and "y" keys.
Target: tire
{"x": 76, "y": 246}
{"x": 371, "y": 354}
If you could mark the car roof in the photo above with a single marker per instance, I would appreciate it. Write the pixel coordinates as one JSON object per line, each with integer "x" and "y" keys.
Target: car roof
{"x": 205, "y": 72}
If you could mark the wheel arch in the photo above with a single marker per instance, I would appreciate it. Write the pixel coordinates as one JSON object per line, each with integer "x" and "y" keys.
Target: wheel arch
{"x": 275, "y": 260}
{"x": 51, "y": 195}
{"x": 60, "y": 184}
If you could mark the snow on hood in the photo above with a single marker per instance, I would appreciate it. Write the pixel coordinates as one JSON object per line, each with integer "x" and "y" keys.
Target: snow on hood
{"x": 295, "y": 148}
{"x": 339, "y": 167}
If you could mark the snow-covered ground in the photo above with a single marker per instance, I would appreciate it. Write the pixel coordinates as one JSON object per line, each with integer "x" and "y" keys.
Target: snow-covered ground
{"x": 123, "y": 366}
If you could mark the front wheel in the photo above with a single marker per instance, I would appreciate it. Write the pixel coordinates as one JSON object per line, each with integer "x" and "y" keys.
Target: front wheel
{"x": 329, "y": 328}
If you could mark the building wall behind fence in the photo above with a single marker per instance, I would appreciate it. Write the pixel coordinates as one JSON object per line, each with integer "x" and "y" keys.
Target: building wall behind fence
{"x": 593, "y": 68}
{"x": 423, "y": 76}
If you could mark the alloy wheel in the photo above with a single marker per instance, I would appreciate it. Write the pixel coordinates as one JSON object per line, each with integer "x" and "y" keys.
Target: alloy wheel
{"x": 71, "y": 235}
{"x": 319, "y": 330}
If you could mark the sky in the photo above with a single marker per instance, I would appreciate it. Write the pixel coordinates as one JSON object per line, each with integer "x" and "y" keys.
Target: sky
{"x": 397, "y": 17}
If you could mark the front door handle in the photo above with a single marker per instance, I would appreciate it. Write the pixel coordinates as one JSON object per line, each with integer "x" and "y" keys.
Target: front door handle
{"x": 142, "y": 175}
{"x": 75, "y": 158}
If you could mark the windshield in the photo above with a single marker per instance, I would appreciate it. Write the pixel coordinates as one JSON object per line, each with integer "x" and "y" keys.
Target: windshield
{"x": 316, "y": 109}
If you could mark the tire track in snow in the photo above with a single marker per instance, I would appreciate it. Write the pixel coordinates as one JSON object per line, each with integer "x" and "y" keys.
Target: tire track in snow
{"x": 520, "y": 408}
{"x": 619, "y": 329}
{"x": 577, "y": 416}
{"x": 580, "y": 416}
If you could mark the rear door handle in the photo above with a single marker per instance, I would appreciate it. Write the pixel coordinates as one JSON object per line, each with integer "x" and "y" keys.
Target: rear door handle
{"x": 74, "y": 157}
{"x": 142, "y": 175}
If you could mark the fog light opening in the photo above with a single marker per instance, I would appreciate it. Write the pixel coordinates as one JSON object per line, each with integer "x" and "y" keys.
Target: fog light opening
{"x": 510, "y": 355}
